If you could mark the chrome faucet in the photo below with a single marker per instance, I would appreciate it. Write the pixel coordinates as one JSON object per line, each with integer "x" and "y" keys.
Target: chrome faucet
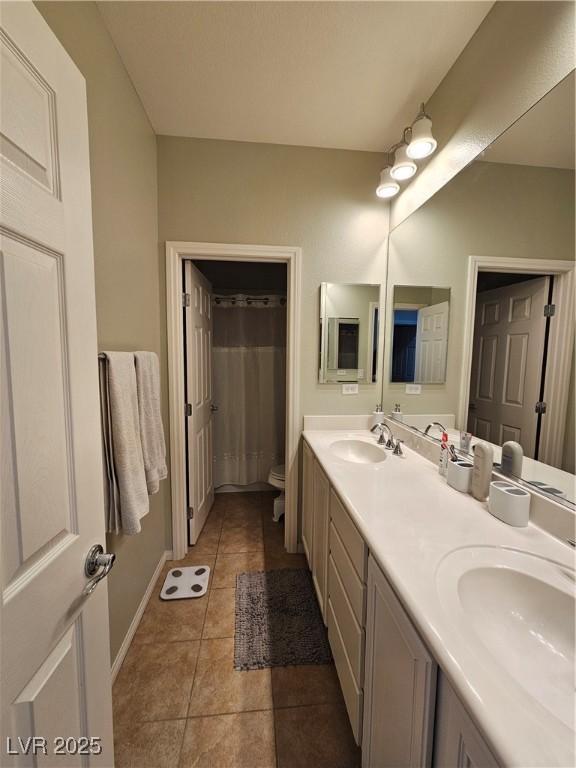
{"x": 382, "y": 426}
{"x": 435, "y": 424}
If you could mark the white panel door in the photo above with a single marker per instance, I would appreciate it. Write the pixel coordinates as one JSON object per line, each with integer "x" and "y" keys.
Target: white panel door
{"x": 432, "y": 344}
{"x": 199, "y": 398}
{"x": 54, "y": 635}
{"x": 507, "y": 361}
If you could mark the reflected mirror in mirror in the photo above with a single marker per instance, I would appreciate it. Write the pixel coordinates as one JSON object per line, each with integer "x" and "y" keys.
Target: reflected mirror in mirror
{"x": 349, "y": 320}
{"x": 501, "y": 236}
{"x": 420, "y": 318}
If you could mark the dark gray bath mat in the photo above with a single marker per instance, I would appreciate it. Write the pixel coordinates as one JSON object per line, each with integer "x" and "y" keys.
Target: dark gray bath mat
{"x": 278, "y": 621}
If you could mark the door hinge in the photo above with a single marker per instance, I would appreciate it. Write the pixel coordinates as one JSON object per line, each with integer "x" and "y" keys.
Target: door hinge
{"x": 549, "y": 310}
{"x": 190, "y": 513}
{"x": 540, "y": 407}
{"x": 185, "y": 299}
{"x": 188, "y": 409}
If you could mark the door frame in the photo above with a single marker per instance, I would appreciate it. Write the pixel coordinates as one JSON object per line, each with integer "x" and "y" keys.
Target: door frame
{"x": 560, "y": 345}
{"x": 176, "y": 252}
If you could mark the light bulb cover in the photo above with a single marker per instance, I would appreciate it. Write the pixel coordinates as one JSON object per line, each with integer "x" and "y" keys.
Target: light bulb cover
{"x": 404, "y": 167}
{"x": 387, "y": 187}
{"x": 422, "y": 142}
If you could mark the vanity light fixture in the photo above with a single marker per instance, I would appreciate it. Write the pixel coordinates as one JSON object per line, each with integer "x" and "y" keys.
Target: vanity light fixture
{"x": 422, "y": 142}
{"x": 388, "y": 187}
{"x": 404, "y": 167}
{"x": 417, "y": 143}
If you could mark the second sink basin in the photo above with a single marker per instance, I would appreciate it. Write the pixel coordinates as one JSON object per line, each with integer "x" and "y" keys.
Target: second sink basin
{"x": 357, "y": 451}
{"x": 519, "y": 608}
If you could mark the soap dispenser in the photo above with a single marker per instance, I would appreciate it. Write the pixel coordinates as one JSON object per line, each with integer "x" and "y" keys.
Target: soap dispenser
{"x": 397, "y": 413}
{"x": 376, "y": 417}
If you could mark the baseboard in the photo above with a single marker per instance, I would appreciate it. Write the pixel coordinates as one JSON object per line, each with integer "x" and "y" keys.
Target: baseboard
{"x": 123, "y": 650}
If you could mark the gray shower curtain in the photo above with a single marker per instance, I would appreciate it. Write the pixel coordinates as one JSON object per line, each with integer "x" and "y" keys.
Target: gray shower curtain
{"x": 249, "y": 387}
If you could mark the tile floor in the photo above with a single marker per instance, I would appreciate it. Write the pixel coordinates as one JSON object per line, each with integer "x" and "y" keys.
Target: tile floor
{"x": 179, "y": 703}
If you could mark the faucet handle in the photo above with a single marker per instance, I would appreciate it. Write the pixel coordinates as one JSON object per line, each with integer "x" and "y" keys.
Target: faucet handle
{"x": 398, "y": 448}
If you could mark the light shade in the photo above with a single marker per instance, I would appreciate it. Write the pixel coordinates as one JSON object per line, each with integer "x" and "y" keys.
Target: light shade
{"x": 422, "y": 142}
{"x": 387, "y": 187}
{"x": 404, "y": 167}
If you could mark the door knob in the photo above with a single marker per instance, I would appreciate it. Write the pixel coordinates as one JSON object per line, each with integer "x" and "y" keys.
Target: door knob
{"x": 213, "y": 408}
{"x": 95, "y": 560}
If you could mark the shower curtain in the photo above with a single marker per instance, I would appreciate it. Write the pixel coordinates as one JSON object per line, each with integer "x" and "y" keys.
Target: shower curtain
{"x": 249, "y": 386}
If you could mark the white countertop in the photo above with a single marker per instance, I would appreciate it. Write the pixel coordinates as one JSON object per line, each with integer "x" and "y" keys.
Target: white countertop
{"x": 411, "y": 520}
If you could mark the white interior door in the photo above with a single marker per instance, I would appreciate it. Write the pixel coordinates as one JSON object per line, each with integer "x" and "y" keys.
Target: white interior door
{"x": 55, "y": 638}
{"x": 507, "y": 361}
{"x": 199, "y": 399}
{"x": 432, "y": 344}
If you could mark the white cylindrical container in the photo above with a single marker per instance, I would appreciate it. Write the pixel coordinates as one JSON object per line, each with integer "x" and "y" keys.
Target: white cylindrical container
{"x": 509, "y": 503}
{"x": 459, "y": 475}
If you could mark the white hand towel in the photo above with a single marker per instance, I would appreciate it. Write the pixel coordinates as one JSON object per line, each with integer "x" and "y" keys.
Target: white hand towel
{"x": 151, "y": 430}
{"x": 126, "y": 444}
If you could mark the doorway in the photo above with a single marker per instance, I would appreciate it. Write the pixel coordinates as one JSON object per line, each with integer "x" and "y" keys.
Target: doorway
{"x": 557, "y": 340}
{"x": 235, "y": 380}
{"x": 234, "y": 259}
{"x": 509, "y": 356}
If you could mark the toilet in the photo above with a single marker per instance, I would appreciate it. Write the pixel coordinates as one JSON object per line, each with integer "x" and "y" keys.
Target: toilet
{"x": 276, "y": 478}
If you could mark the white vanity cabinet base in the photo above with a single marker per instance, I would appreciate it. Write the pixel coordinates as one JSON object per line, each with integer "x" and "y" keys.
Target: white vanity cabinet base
{"x": 307, "y": 500}
{"x": 320, "y": 537}
{"x": 399, "y": 684}
{"x": 458, "y": 744}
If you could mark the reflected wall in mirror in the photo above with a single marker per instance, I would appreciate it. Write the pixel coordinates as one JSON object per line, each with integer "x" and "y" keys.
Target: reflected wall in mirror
{"x": 420, "y": 334}
{"x": 500, "y": 235}
{"x": 349, "y": 322}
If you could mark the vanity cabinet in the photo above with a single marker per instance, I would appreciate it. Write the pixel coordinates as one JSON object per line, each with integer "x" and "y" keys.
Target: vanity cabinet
{"x": 320, "y": 536}
{"x": 315, "y": 523}
{"x": 307, "y": 500}
{"x": 457, "y": 741}
{"x": 400, "y": 683}
{"x": 348, "y": 557}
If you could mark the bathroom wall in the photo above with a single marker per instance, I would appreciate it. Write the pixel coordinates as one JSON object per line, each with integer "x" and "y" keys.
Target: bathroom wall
{"x": 489, "y": 209}
{"x": 127, "y": 266}
{"x": 319, "y": 199}
{"x": 517, "y": 55}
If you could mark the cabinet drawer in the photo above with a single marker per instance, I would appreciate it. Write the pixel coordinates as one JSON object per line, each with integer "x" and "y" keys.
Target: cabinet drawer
{"x": 352, "y": 695}
{"x": 351, "y": 632}
{"x": 353, "y": 542}
{"x": 355, "y": 589}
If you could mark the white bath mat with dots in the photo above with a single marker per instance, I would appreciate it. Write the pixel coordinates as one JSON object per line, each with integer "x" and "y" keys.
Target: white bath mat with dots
{"x": 189, "y": 581}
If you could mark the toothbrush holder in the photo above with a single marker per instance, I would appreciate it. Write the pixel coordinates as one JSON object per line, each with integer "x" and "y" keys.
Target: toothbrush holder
{"x": 509, "y": 503}
{"x": 459, "y": 475}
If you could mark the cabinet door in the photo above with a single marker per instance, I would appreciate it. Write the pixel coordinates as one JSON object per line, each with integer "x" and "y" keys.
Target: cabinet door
{"x": 457, "y": 743}
{"x": 307, "y": 501}
{"x": 320, "y": 536}
{"x": 399, "y": 684}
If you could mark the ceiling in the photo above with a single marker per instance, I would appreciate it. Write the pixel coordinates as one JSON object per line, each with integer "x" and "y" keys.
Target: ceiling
{"x": 347, "y": 75}
{"x": 243, "y": 275}
{"x": 544, "y": 136}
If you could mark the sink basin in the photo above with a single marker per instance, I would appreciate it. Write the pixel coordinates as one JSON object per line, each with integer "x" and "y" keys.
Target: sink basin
{"x": 519, "y": 609}
{"x": 358, "y": 451}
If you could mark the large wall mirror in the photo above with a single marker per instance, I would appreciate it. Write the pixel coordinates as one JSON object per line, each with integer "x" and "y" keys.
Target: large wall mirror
{"x": 349, "y": 322}
{"x": 500, "y": 237}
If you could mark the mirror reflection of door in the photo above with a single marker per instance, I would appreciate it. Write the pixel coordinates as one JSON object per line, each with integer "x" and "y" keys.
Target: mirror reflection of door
{"x": 421, "y": 317}
{"x": 508, "y": 359}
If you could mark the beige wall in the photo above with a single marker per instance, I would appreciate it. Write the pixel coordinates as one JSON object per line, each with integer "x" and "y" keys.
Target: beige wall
{"x": 124, "y": 203}
{"x": 319, "y": 199}
{"x": 519, "y": 53}
{"x": 489, "y": 209}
